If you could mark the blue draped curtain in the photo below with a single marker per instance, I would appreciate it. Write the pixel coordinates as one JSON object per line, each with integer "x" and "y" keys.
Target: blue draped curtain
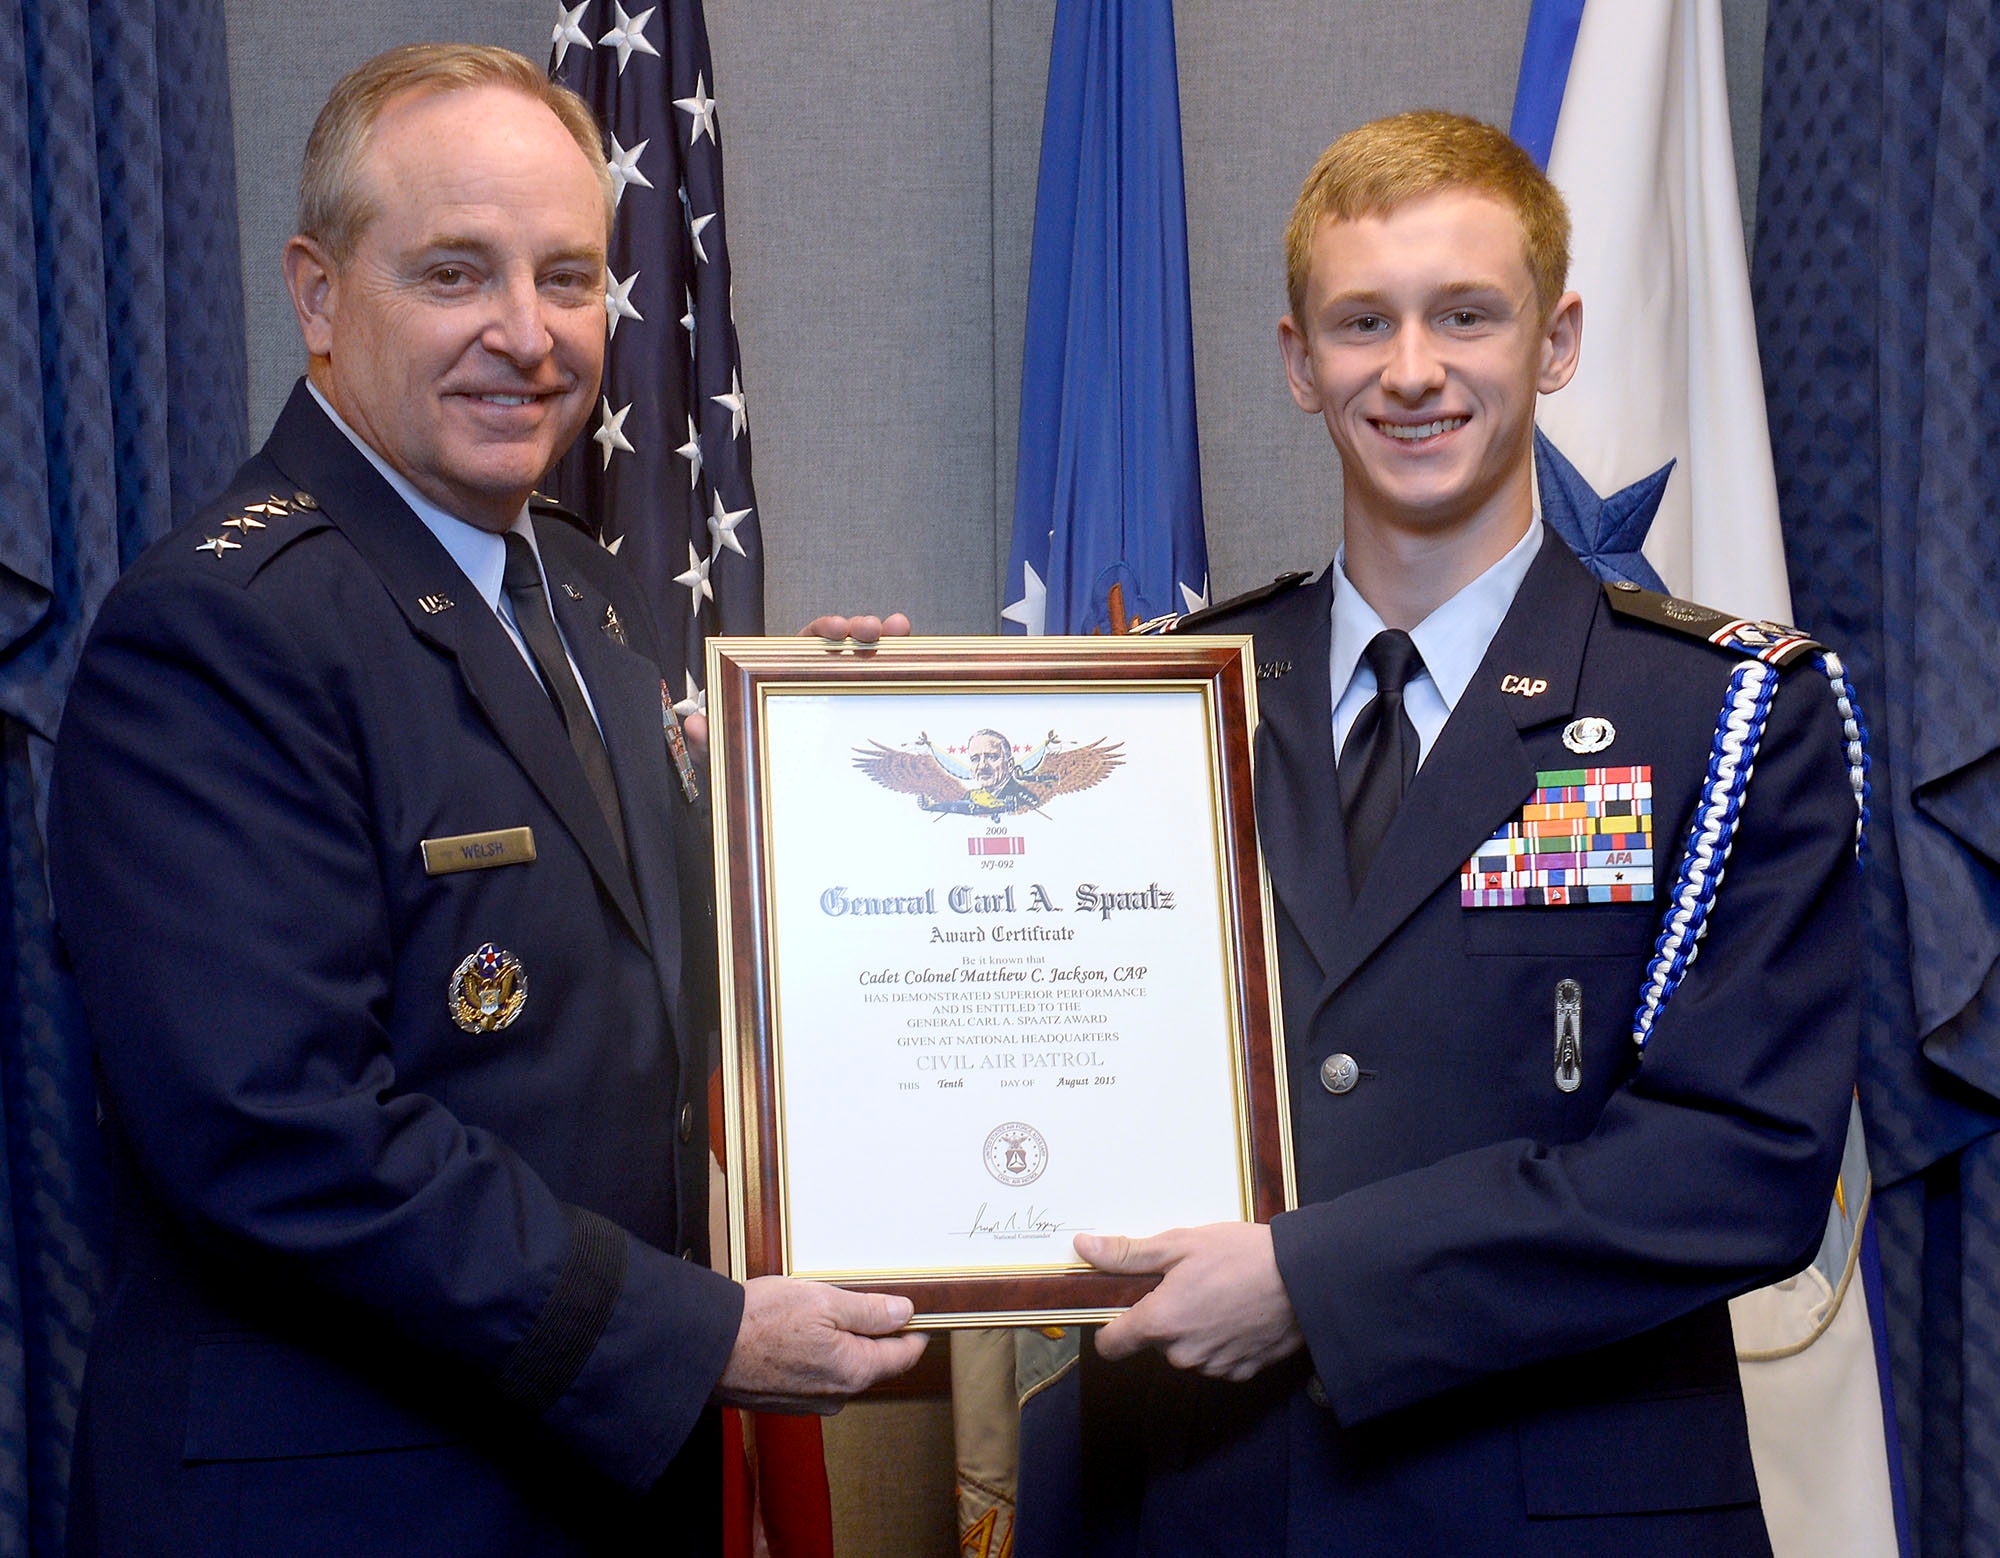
{"x": 122, "y": 406}
{"x": 1878, "y": 245}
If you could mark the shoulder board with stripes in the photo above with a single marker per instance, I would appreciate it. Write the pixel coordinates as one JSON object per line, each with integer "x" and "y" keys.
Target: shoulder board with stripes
{"x": 1196, "y": 621}
{"x": 1772, "y": 642}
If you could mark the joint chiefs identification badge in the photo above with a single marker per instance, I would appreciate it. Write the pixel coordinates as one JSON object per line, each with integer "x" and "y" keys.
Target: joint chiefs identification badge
{"x": 487, "y": 990}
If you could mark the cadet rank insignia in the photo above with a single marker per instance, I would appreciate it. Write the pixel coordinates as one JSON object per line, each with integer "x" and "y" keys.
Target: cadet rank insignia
{"x": 487, "y": 990}
{"x": 1584, "y": 836}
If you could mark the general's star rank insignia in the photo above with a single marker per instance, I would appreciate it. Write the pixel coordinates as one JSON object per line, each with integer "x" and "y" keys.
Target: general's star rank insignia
{"x": 487, "y": 990}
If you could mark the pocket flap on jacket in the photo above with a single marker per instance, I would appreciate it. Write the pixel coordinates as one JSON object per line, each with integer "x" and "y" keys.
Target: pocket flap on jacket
{"x": 1684, "y": 1451}
{"x": 259, "y": 1399}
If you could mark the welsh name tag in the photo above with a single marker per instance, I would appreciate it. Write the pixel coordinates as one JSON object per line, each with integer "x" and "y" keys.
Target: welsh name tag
{"x": 477, "y": 851}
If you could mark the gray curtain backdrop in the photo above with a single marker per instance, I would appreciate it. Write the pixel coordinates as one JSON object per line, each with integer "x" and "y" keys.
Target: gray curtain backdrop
{"x": 881, "y": 161}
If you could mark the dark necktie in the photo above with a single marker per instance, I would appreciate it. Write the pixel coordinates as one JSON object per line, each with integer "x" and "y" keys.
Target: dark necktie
{"x": 523, "y": 581}
{"x": 1380, "y": 756}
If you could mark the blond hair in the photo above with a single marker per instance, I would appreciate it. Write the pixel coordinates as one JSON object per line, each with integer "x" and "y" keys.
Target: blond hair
{"x": 1372, "y": 170}
{"x": 334, "y": 207}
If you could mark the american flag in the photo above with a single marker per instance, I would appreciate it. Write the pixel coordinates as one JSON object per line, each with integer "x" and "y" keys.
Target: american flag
{"x": 664, "y": 471}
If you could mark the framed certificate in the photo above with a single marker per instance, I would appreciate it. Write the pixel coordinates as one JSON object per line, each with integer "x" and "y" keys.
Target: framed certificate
{"x": 997, "y": 962}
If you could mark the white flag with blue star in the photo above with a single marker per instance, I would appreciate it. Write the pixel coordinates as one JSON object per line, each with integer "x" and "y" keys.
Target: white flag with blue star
{"x": 1626, "y": 104}
{"x": 1632, "y": 122}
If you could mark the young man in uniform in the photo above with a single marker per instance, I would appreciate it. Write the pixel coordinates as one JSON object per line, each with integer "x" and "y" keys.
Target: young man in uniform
{"x": 1497, "y": 1323}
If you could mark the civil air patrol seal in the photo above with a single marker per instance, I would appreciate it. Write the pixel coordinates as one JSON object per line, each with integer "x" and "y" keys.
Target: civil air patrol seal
{"x": 487, "y": 990}
{"x": 1016, "y": 1153}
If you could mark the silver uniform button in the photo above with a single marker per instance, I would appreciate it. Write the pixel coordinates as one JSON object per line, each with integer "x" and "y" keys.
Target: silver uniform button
{"x": 1338, "y": 1073}
{"x": 687, "y": 1122}
{"x": 1316, "y": 1393}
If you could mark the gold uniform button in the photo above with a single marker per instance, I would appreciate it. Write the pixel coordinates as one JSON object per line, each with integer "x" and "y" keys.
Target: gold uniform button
{"x": 1338, "y": 1074}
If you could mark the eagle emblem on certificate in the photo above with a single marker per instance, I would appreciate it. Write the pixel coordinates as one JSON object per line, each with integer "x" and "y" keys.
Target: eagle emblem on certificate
{"x": 989, "y": 775}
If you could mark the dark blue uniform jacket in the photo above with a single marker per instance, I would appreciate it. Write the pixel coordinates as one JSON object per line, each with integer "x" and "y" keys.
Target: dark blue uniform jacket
{"x": 1514, "y": 1297}
{"x": 383, "y": 1285}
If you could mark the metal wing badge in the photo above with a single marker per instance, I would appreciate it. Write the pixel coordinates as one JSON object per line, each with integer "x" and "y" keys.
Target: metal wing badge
{"x": 989, "y": 776}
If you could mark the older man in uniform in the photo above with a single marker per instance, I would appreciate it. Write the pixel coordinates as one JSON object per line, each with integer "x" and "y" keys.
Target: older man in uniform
{"x": 384, "y": 897}
{"x": 1535, "y": 1159}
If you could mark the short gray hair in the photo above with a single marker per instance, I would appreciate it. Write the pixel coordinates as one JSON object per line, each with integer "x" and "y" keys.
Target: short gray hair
{"x": 334, "y": 209}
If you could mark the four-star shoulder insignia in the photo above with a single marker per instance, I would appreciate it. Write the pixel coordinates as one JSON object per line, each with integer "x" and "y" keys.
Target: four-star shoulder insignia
{"x": 239, "y": 522}
{"x": 1774, "y": 643}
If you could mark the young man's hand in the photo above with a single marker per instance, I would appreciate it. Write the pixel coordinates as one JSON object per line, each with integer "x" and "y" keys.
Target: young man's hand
{"x": 1221, "y": 1308}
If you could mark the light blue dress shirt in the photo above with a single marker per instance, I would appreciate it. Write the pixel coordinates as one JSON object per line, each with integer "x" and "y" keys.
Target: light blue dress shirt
{"x": 481, "y": 555}
{"x": 1453, "y": 640}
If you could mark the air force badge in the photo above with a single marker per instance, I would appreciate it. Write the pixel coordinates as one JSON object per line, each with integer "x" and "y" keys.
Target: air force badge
{"x": 1591, "y": 734}
{"x": 487, "y": 990}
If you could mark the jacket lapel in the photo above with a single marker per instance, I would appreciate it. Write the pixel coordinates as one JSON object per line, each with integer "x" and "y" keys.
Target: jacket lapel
{"x": 413, "y": 567}
{"x": 1479, "y": 771}
{"x": 625, "y": 688}
{"x": 1298, "y": 804}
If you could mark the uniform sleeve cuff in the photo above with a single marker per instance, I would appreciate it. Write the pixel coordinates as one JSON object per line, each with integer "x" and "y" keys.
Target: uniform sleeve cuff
{"x": 659, "y": 1349}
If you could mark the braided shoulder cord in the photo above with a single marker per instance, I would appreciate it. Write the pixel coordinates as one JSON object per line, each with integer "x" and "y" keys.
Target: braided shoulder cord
{"x": 1731, "y": 759}
{"x": 1855, "y": 734}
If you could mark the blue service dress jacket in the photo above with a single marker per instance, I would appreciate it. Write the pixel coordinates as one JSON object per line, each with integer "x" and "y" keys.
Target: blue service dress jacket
{"x": 386, "y": 1281}
{"x": 1514, "y": 1296}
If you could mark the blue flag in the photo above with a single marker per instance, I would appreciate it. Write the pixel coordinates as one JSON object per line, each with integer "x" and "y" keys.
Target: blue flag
{"x": 1107, "y": 501}
{"x": 1107, "y": 506}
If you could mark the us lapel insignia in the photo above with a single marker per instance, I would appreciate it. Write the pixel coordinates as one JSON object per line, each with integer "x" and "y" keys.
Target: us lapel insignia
{"x": 1588, "y": 735}
{"x": 433, "y": 604}
{"x": 487, "y": 990}
{"x": 1585, "y": 835}
{"x": 613, "y": 628}
{"x": 677, "y": 747}
{"x": 572, "y": 591}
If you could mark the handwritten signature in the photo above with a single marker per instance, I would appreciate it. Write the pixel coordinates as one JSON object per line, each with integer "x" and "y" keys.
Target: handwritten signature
{"x": 1028, "y": 1224}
